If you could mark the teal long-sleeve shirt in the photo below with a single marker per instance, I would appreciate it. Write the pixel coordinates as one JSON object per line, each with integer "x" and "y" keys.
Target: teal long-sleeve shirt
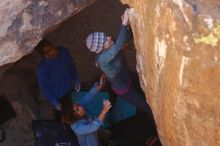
{"x": 86, "y": 129}
{"x": 111, "y": 60}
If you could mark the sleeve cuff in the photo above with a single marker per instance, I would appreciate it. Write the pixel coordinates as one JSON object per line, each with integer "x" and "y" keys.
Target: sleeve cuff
{"x": 99, "y": 122}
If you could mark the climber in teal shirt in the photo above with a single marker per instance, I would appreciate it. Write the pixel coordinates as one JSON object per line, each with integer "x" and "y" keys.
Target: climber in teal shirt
{"x": 111, "y": 62}
{"x": 81, "y": 121}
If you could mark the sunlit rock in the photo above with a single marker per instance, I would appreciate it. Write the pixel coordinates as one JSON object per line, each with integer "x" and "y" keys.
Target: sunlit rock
{"x": 178, "y": 59}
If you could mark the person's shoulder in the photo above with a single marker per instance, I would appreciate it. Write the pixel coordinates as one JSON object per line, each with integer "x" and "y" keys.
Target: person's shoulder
{"x": 76, "y": 124}
{"x": 73, "y": 126}
{"x": 42, "y": 65}
{"x": 101, "y": 58}
{"x": 101, "y": 55}
{"x": 63, "y": 48}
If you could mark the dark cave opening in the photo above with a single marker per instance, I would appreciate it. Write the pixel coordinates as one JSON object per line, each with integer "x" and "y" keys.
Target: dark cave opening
{"x": 19, "y": 81}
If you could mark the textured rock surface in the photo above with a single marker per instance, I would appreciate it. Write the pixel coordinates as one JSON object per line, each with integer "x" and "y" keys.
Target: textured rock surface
{"x": 178, "y": 57}
{"x": 24, "y": 22}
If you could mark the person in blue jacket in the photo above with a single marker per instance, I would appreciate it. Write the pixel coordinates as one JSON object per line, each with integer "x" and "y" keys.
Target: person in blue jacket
{"x": 84, "y": 125}
{"x": 110, "y": 60}
{"x": 56, "y": 73}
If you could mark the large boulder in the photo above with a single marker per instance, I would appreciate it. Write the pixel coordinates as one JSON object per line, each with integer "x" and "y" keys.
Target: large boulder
{"x": 178, "y": 59}
{"x": 25, "y": 22}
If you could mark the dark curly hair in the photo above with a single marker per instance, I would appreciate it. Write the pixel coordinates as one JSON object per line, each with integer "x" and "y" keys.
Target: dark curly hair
{"x": 68, "y": 116}
{"x": 44, "y": 43}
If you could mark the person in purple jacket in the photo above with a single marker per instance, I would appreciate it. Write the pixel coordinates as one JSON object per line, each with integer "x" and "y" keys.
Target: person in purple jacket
{"x": 56, "y": 73}
{"x": 110, "y": 60}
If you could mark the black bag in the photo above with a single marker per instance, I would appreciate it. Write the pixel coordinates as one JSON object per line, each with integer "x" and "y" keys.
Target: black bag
{"x": 53, "y": 133}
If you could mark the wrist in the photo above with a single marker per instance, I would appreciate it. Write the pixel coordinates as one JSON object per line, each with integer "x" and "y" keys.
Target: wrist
{"x": 99, "y": 86}
{"x": 124, "y": 23}
{"x": 104, "y": 112}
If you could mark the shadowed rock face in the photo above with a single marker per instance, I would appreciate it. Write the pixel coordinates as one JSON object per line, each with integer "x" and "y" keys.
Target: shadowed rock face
{"x": 24, "y": 22}
{"x": 18, "y": 80}
{"x": 178, "y": 59}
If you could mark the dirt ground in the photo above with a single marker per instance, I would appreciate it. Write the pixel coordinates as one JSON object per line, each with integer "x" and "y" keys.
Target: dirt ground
{"x": 19, "y": 83}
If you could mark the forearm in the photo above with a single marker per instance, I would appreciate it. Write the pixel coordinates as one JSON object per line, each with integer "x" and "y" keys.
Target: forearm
{"x": 122, "y": 37}
{"x": 89, "y": 96}
{"x": 75, "y": 76}
{"x": 71, "y": 65}
{"x": 46, "y": 89}
{"x": 53, "y": 101}
{"x": 102, "y": 115}
{"x": 82, "y": 128}
{"x": 111, "y": 53}
{"x": 106, "y": 106}
{"x": 129, "y": 35}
